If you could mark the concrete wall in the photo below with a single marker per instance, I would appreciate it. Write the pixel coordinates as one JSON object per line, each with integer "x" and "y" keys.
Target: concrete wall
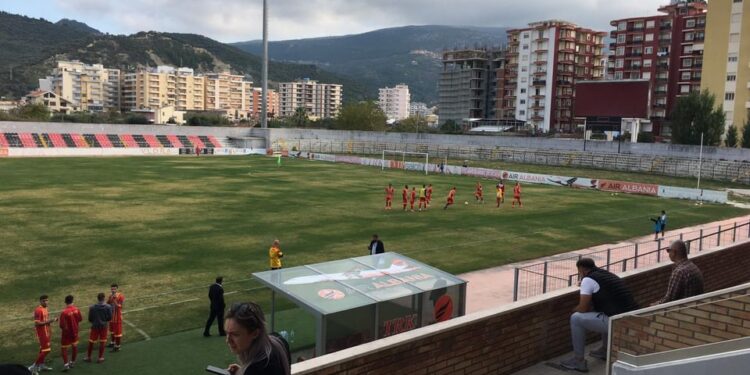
{"x": 55, "y": 127}
{"x": 510, "y": 337}
{"x": 538, "y": 143}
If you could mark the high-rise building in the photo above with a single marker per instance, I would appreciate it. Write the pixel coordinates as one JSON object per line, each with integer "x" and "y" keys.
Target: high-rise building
{"x": 666, "y": 49}
{"x": 230, "y": 93}
{"x": 395, "y": 101}
{"x": 163, "y": 86}
{"x": 320, "y": 100}
{"x": 86, "y": 87}
{"x": 726, "y": 66}
{"x": 273, "y": 102}
{"x": 544, "y": 61}
{"x": 419, "y": 109}
{"x": 467, "y": 85}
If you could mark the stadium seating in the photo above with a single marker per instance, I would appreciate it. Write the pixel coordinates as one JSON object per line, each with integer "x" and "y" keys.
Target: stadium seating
{"x": 74, "y": 140}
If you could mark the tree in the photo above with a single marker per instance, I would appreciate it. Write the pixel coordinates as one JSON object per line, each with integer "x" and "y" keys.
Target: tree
{"x": 450, "y": 127}
{"x": 746, "y": 135}
{"x": 299, "y": 119}
{"x": 413, "y": 124}
{"x": 361, "y": 116}
{"x": 731, "y": 140}
{"x": 695, "y": 114}
{"x": 32, "y": 112}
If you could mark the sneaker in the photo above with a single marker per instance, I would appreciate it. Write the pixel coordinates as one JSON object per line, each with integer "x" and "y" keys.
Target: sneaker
{"x": 115, "y": 349}
{"x": 100, "y": 360}
{"x": 33, "y": 369}
{"x": 66, "y": 367}
{"x": 72, "y": 364}
{"x": 111, "y": 345}
{"x": 600, "y": 353}
{"x": 575, "y": 364}
{"x": 44, "y": 367}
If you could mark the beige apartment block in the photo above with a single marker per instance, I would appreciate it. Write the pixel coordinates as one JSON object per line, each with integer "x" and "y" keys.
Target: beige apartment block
{"x": 395, "y": 102}
{"x": 90, "y": 88}
{"x": 162, "y": 87}
{"x": 726, "y": 58}
{"x": 320, "y": 100}
{"x": 229, "y": 93}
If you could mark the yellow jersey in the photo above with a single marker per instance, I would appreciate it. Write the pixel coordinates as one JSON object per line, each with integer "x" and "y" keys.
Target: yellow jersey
{"x": 274, "y": 255}
{"x": 422, "y": 193}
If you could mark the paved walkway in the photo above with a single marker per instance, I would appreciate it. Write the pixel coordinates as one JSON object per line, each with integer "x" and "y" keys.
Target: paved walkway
{"x": 494, "y": 286}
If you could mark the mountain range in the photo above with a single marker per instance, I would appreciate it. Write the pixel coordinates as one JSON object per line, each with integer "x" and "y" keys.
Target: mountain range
{"x": 362, "y": 62}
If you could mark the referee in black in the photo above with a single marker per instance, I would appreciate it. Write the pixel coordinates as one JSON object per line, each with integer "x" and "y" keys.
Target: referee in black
{"x": 216, "y": 295}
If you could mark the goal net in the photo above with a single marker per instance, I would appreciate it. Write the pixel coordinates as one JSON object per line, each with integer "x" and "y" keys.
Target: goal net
{"x": 405, "y": 158}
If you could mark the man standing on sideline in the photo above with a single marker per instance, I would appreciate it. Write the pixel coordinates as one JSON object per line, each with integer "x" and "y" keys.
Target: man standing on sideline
{"x": 216, "y": 296}
{"x": 43, "y": 326}
{"x": 686, "y": 280}
{"x": 116, "y": 300}
{"x": 603, "y": 294}
{"x": 275, "y": 255}
{"x": 100, "y": 315}
{"x": 69, "y": 321}
{"x": 388, "y": 197}
{"x": 376, "y": 245}
{"x": 405, "y": 195}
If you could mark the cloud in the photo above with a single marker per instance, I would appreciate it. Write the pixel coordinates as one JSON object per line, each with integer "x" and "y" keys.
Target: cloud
{"x": 236, "y": 20}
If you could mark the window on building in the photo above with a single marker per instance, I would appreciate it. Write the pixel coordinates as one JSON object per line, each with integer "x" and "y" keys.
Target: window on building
{"x": 737, "y": 1}
{"x": 619, "y": 63}
{"x": 622, "y": 26}
{"x": 686, "y": 50}
{"x": 648, "y": 50}
{"x": 618, "y": 75}
{"x": 524, "y": 68}
{"x": 729, "y": 96}
{"x": 646, "y": 63}
{"x": 685, "y": 76}
{"x": 526, "y": 35}
{"x": 686, "y": 63}
{"x": 522, "y": 113}
{"x": 649, "y": 37}
{"x": 620, "y": 51}
{"x": 734, "y": 38}
{"x": 701, "y": 21}
{"x": 689, "y": 36}
{"x": 732, "y": 57}
{"x": 731, "y": 77}
{"x": 638, "y": 37}
{"x": 690, "y": 23}
{"x": 525, "y": 46}
{"x": 646, "y": 75}
{"x": 524, "y": 79}
{"x": 621, "y": 38}
{"x": 684, "y": 89}
{"x": 639, "y": 24}
{"x": 522, "y": 101}
{"x": 650, "y": 24}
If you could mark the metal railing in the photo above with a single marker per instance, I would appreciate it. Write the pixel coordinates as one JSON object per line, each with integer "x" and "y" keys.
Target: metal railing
{"x": 543, "y": 277}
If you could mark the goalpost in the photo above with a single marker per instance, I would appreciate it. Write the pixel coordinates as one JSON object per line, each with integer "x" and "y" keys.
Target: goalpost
{"x": 403, "y": 157}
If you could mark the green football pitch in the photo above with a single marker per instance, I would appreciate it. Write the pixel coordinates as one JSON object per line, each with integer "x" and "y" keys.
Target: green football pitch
{"x": 163, "y": 228}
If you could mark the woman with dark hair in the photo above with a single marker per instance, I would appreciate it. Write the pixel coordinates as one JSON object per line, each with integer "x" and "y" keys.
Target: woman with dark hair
{"x": 257, "y": 351}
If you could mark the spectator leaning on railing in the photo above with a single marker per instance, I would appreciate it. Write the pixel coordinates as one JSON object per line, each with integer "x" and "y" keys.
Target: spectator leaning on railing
{"x": 686, "y": 280}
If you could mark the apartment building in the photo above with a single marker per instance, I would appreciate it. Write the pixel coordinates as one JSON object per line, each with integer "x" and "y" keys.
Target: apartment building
{"x": 468, "y": 84}
{"x": 666, "y": 49}
{"x": 726, "y": 66}
{"x": 419, "y": 109}
{"x": 163, "y": 86}
{"x": 273, "y": 103}
{"x": 320, "y": 100}
{"x": 395, "y": 102}
{"x": 229, "y": 93}
{"x": 91, "y": 88}
{"x": 544, "y": 60}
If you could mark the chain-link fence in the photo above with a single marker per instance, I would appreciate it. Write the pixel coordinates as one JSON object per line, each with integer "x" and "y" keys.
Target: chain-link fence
{"x": 539, "y": 278}
{"x": 721, "y": 170}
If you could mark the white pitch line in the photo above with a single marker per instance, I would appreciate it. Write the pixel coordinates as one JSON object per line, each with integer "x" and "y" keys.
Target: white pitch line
{"x": 142, "y": 332}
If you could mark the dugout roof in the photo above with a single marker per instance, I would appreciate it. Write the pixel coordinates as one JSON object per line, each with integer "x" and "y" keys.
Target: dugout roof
{"x": 331, "y": 287}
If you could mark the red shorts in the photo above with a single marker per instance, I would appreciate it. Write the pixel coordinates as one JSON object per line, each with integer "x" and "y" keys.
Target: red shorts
{"x": 422, "y": 199}
{"x": 44, "y": 343}
{"x": 68, "y": 339}
{"x": 450, "y": 201}
{"x": 116, "y": 328}
{"x": 98, "y": 334}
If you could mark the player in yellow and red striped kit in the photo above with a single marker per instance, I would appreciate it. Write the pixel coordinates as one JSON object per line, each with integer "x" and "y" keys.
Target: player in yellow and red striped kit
{"x": 116, "y": 300}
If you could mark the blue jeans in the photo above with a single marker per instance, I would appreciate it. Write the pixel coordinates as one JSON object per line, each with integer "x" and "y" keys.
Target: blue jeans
{"x": 590, "y": 321}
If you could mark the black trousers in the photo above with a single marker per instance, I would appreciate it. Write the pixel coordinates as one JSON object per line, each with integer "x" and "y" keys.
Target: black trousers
{"x": 216, "y": 313}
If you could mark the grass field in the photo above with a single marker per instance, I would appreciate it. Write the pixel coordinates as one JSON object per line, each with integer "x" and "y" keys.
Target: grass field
{"x": 163, "y": 228}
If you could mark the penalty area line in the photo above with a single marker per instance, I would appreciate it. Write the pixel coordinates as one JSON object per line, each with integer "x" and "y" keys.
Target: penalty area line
{"x": 142, "y": 332}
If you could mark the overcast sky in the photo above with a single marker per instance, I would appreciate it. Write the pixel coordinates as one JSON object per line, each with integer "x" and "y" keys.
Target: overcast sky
{"x": 240, "y": 20}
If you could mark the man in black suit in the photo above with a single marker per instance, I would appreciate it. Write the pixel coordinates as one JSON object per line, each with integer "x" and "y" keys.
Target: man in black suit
{"x": 216, "y": 295}
{"x": 376, "y": 246}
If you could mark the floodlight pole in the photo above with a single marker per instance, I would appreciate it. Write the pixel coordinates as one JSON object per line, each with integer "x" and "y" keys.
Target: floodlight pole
{"x": 264, "y": 93}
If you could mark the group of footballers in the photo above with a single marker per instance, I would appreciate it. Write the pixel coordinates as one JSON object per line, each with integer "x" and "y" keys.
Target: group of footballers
{"x": 409, "y": 197}
{"x": 101, "y": 316}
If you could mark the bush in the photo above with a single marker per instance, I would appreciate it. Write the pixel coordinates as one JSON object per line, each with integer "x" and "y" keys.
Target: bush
{"x": 645, "y": 137}
{"x": 137, "y": 119}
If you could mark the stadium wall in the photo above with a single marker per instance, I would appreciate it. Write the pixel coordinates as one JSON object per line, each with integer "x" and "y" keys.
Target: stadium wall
{"x": 511, "y": 337}
{"x": 325, "y": 141}
{"x": 291, "y": 136}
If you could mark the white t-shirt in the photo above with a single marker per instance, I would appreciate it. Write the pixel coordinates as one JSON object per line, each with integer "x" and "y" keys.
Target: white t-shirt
{"x": 589, "y": 286}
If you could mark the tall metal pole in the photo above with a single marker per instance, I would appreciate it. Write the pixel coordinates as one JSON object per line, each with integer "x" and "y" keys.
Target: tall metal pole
{"x": 264, "y": 93}
{"x": 700, "y": 164}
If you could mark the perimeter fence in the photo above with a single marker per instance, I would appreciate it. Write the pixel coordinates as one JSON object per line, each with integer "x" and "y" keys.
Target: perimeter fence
{"x": 539, "y": 278}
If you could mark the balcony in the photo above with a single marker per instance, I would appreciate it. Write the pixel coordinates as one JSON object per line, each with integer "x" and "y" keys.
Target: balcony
{"x": 539, "y": 82}
{"x": 660, "y": 92}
